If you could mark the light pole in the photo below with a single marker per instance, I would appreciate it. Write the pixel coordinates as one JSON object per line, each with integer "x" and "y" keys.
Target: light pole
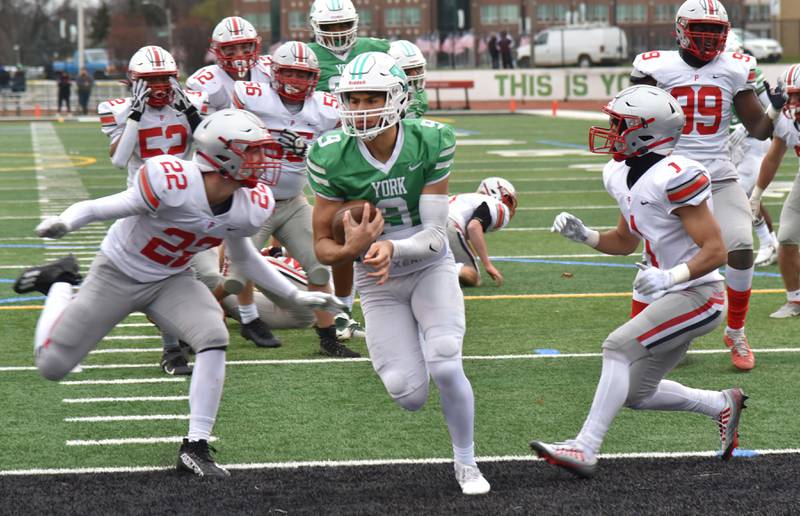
{"x": 161, "y": 4}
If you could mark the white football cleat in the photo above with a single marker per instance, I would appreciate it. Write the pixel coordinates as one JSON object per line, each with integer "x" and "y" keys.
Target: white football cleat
{"x": 347, "y": 327}
{"x": 767, "y": 255}
{"x": 568, "y": 455}
{"x": 470, "y": 479}
{"x": 790, "y": 309}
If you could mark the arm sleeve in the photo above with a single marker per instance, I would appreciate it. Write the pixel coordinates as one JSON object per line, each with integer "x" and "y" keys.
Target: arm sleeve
{"x": 444, "y": 159}
{"x": 117, "y": 206}
{"x": 689, "y": 188}
{"x": 126, "y": 144}
{"x": 433, "y": 211}
{"x": 483, "y": 215}
{"x": 254, "y": 267}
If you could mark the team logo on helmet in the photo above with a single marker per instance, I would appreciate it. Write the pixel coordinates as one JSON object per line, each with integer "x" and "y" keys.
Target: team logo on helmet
{"x": 154, "y": 65}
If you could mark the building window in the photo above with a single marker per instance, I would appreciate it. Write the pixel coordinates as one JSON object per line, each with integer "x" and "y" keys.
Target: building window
{"x": 260, "y": 21}
{"x": 393, "y": 17}
{"x": 543, "y": 12}
{"x": 597, "y": 13}
{"x": 412, "y": 16}
{"x": 665, "y": 13}
{"x": 365, "y": 17}
{"x": 489, "y": 14}
{"x": 297, "y": 20}
{"x": 560, "y": 13}
{"x": 627, "y": 13}
{"x": 509, "y": 13}
{"x": 758, "y": 13}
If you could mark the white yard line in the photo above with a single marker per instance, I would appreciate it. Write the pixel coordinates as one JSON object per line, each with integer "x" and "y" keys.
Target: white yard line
{"x": 58, "y": 187}
{"x": 385, "y": 462}
{"x": 129, "y": 440}
{"x": 108, "y": 419}
{"x": 126, "y": 350}
{"x": 120, "y": 381}
{"x": 125, "y": 399}
{"x": 133, "y": 337}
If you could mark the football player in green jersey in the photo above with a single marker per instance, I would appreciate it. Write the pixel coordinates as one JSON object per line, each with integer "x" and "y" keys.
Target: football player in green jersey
{"x": 410, "y": 58}
{"x": 405, "y": 271}
{"x": 335, "y": 26}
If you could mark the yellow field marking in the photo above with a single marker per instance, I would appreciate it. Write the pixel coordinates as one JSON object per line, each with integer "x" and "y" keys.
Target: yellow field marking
{"x": 441, "y": 120}
{"x": 74, "y": 161}
{"x": 498, "y": 297}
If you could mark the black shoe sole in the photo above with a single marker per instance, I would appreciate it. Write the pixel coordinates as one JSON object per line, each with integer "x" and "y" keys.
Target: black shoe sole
{"x": 27, "y": 280}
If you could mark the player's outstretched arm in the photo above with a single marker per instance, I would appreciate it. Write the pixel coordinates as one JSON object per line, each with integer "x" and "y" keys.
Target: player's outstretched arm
{"x": 759, "y": 123}
{"x": 112, "y": 207}
{"x": 478, "y": 240}
{"x": 769, "y": 167}
{"x": 253, "y": 266}
{"x": 617, "y": 241}
{"x": 122, "y": 149}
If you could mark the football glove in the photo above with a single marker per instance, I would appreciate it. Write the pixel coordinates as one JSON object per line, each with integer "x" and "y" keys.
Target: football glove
{"x": 317, "y": 301}
{"x": 735, "y": 140}
{"x": 755, "y": 202}
{"x": 139, "y": 95}
{"x": 180, "y": 101}
{"x": 654, "y": 282}
{"x": 777, "y": 95}
{"x": 570, "y": 226}
{"x": 293, "y": 142}
{"x": 52, "y": 227}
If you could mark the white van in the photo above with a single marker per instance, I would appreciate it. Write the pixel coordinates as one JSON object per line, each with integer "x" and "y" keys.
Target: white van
{"x": 581, "y": 45}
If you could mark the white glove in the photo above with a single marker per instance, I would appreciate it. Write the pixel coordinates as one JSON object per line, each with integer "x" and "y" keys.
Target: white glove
{"x": 317, "y": 301}
{"x": 735, "y": 143}
{"x": 139, "y": 95}
{"x": 52, "y": 227}
{"x": 293, "y": 142}
{"x": 755, "y": 203}
{"x": 573, "y": 228}
{"x": 652, "y": 281}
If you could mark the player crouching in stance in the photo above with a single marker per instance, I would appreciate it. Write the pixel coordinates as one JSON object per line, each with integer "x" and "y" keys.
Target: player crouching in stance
{"x": 470, "y": 216}
{"x": 174, "y": 209}
{"x": 413, "y": 306}
{"x": 664, "y": 201}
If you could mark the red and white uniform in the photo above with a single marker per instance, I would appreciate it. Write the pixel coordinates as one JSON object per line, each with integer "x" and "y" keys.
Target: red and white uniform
{"x": 462, "y": 210}
{"x": 318, "y": 115}
{"x": 150, "y": 248}
{"x": 670, "y": 184}
{"x": 218, "y": 85}
{"x": 706, "y": 95}
{"x": 161, "y": 131}
{"x": 786, "y": 130}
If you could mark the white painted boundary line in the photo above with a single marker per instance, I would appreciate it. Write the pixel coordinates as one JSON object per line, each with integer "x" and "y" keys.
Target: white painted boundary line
{"x": 385, "y": 462}
{"x": 106, "y": 419}
{"x": 305, "y": 361}
{"x": 129, "y": 440}
{"x": 133, "y": 337}
{"x": 125, "y": 350}
{"x": 123, "y": 381}
{"x": 124, "y": 399}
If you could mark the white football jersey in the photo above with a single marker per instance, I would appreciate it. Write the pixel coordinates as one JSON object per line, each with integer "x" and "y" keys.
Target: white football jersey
{"x": 319, "y": 114}
{"x": 789, "y": 131}
{"x": 463, "y": 206}
{"x": 161, "y": 130}
{"x": 218, "y": 85}
{"x": 158, "y": 245}
{"x": 706, "y": 95}
{"x": 670, "y": 184}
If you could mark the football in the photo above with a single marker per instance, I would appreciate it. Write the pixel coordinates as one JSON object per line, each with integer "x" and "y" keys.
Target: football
{"x": 356, "y": 209}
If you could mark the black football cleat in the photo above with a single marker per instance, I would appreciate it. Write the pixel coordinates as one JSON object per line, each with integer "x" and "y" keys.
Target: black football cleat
{"x": 42, "y": 277}
{"x": 259, "y": 333}
{"x": 174, "y": 362}
{"x": 195, "y": 457}
{"x": 329, "y": 344}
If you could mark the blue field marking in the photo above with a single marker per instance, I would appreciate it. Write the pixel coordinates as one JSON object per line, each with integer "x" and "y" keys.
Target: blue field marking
{"x": 7, "y": 280}
{"x": 556, "y": 143}
{"x": 465, "y": 132}
{"x": 602, "y": 264}
{"x": 8, "y": 300}
{"x": 738, "y": 452}
{"x": 546, "y": 351}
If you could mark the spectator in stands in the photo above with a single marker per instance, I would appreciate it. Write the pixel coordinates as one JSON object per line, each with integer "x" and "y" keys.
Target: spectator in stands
{"x": 84, "y": 83}
{"x": 64, "y": 87}
{"x": 505, "y": 45}
{"x": 18, "y": 81}
{"x": 5, "y": 78}
{"x": 494, "y": 52}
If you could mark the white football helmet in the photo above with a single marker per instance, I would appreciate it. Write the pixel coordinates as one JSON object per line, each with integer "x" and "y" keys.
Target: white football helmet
{"x": 327, "y": 12}
{"x": 703, "y": 43}
{"x": 294, "y": 55}
{"x": 791, "y": 81}
{"x": 235, "y": 30}
{"x": 372, "y": 72}
{"x": 643, "y": 119}
{"x": 151, "y": 62}
{"x": 501, "y": 190}
{"x": 409, "y": 57}
{"x": 225, "y": 141}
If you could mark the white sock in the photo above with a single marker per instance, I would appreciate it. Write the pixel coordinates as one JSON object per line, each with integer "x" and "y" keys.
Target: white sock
{"x": 58, "y": 297}
{"x": 248, "y": 313}
{"x": 612, "y": 390}
{"x": 762, "y": 232}
{"x": 458, "y": 405}
{"x": 739, "y": 280}
{"x": 674, "y": 396}
{"x": 793, "y": 296}
{"x": 348, "y": 300}
{"x": 205, "y": 393}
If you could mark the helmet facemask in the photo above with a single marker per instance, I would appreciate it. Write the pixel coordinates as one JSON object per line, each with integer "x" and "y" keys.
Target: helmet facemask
{"x": 416, "y": 77}
{"x": 294, "y": 86}
{"x": 704, "y": 39}
{"x": 614, "y": 139}
{"x": 367, "y": 123}
{"x": 252, "y": 161}
{"x": 161, "y": 93}
{"x": 237, "y": 57}
{"x": 792, "y": 107}
{"x": 336, "y": 39}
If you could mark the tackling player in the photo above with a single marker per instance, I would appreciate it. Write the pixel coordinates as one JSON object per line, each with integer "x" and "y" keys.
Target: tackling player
{"x": 174, "y": 209}
{"x": 708, "y": 82}
{"x": 470, "y": 216}
{"x": 787, "y": 135}
{"x": 411, "y": 60}
{"x": 664, "y": 200}
{"x": 295, "y": 115}
{"x": 412, "y": 303}
{"x": 158, "y": 118}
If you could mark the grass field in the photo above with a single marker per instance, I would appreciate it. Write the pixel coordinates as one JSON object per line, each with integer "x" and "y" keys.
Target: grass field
{"x": 309, "y": 410}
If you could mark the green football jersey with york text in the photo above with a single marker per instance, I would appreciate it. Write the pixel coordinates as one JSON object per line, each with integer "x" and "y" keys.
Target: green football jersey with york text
{"x": 341, "y": 168}
{"x": 331, "y": 65}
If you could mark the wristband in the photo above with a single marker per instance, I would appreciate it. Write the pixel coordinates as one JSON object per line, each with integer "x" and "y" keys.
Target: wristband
{"x": 680, "y": 273}
{"x": 757, "y": 193}
{"x": 772, "y": 113}
{"x": 592, "y": 238}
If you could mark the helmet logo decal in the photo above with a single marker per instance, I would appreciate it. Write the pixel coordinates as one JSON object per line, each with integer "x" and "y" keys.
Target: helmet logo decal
{"x": 234, "y": 26}
{"x": 155, "y": 57}
{"x": 335, "y": 5}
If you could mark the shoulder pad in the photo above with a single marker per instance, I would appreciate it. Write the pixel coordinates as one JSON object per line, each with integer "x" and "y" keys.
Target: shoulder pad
{"x": 113, "y": 113}
{"x": 688, "y": 181}
{"x": 647, "y": 63}
{"x": 199, "y": 100}
{"x": 260, "y": 204}
{"x": 205, "y": 79}
{"x": 501, "y": 215}
{"x": 246, "y": 94}
{"x": 328, "y": 106}
{"x": 164, "y": 181}
{"x": 264, "y": 64}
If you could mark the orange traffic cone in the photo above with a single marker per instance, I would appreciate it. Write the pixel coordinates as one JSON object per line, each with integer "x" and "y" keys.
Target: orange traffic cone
{"x": 512, "y": 105}
{"x": 554, "y": 107}
{"x": 37, "y": 111}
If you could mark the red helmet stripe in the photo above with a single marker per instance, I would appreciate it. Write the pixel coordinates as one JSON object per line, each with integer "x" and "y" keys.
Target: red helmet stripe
{"x": 790, "y": 76}
{"x": 156, "y": 56}
{"x": 712, "y": 8}
{"x": 235, "y": 22}
{"x": 300, "y": 56}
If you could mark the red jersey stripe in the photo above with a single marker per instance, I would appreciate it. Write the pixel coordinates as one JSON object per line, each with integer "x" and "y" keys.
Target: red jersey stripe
{"x": 149, "y": 197}
{"x": 686, "y": 192}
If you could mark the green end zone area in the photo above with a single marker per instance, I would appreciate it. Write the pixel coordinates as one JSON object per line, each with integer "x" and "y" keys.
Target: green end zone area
{"x": 289, "y": 411}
